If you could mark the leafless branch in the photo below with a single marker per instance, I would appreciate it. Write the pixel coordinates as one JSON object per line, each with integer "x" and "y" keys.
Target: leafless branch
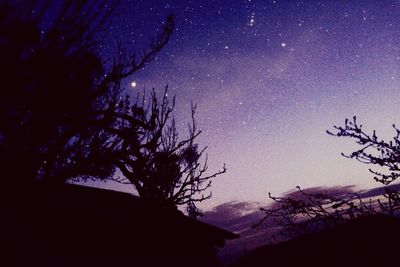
{"x": 373, "y": 150}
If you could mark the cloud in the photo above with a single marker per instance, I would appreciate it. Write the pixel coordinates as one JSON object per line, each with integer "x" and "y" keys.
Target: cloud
{"x": 333, "y": 191}
{"x": 329, "y": 192}
{"x": 233, "y": 216}
{"x": 379, "y": 191}
{"x": 238, "y": 217}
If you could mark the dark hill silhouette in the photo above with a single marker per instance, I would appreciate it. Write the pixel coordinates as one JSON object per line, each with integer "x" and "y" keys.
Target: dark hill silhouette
{"x": 366, "y": 241}
{"x": 71, "y": 225}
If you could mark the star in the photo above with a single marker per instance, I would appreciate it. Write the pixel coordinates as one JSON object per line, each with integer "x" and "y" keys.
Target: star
{"x": 276, "y": 62}
{"x": 252, "y": 20}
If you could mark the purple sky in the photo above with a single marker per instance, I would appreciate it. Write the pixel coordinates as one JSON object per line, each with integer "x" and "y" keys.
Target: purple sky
{"x": 269, "y": 78}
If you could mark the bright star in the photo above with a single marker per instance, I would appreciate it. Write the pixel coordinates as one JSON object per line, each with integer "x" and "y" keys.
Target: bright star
{"x": 252, "y": 20}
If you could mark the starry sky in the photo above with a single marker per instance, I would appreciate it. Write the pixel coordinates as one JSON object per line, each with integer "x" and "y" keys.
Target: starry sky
{"x": 269, "y": 78}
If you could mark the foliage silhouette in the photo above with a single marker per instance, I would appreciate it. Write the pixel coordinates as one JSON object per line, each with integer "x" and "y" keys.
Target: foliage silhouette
{"x": 63, "y": 115}
{"x": 54, "y": 84}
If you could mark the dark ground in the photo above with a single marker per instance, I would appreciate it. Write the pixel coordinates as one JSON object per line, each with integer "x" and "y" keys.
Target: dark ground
{"x": 369, "y": 241}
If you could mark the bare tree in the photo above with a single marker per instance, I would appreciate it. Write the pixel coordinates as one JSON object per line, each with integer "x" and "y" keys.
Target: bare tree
{"x": 373, "y": 150}
{"x": 309, "y": 211}
{"x": 313, "y": 211}
{"x": 161, "y": 167}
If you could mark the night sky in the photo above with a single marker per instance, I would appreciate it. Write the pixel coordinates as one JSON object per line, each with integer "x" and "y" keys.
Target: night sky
{"x": 269, "y": 78}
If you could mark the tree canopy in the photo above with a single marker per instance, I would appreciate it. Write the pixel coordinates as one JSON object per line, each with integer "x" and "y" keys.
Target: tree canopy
{"x": 64, "y": 114}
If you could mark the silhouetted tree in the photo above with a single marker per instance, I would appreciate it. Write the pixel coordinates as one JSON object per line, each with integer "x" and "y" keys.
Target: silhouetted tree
{"x": 63, "y": 117}
{"x": 161, "y": 167}
{"x": 308, "y": 211}
{"x": 55, "y": 87}
{"x": 313, "y": 211}
{"x": 373, "y": 150}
